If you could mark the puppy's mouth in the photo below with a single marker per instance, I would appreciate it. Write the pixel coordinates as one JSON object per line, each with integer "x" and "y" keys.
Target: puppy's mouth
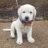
{"x": 27, "y": 22}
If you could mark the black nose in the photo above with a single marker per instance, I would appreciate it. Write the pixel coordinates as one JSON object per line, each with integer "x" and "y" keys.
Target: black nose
{"x": 26, "y": 18}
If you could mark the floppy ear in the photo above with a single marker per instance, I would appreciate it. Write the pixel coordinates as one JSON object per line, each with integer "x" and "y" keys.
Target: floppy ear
{"x": 34, "y": 13}
{"x": 19, "y": 11}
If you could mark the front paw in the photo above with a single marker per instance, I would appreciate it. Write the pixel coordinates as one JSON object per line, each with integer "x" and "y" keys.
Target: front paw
{"x": 31, "y": 40}
{"x": 19, "y": 41}
{"x": 12, "y": 36}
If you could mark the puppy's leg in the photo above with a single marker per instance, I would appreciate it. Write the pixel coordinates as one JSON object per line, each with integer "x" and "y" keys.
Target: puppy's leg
{"x": 29, "y": 36}
{"x": 19, "y": 37}
{"x": 12, "y": 32}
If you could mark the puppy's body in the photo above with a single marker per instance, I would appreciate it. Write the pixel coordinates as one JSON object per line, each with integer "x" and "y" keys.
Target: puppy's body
{"x": 20, "y": 26}
{"x": 26, "y": 14}
{"x": 21, "y": 29}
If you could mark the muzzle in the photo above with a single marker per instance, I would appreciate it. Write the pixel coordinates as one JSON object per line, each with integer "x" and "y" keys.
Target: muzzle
{"x": 26, "y": 23}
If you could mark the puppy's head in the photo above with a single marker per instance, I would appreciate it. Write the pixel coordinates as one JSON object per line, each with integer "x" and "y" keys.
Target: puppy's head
{"x": 27, "y": 12}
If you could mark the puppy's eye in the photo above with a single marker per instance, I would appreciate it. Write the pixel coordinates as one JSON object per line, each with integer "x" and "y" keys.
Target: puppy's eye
{"x": 23, "y": 11}
{"x": 30, "y": 12}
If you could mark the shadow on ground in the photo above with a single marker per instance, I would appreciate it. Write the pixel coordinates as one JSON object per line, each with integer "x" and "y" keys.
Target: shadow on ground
{"x": 40, "y": 34}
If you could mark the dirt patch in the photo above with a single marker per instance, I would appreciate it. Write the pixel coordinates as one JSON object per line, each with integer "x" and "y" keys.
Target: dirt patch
{"x": 40, "y": 34}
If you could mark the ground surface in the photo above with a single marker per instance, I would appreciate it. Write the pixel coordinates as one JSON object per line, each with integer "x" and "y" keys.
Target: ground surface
{"x": 40, "y": 34}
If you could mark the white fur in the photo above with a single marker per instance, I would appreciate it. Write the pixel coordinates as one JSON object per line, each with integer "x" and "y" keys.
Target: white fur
{"x": 19, "y": 27}
{"x": 6, "y": 29}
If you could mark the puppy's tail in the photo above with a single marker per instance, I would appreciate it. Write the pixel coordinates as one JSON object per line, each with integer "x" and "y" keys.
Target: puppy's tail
{"x": 6, "y": 29}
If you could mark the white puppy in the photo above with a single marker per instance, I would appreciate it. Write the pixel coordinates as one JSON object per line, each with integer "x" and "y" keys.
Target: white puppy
{"x": 23, "y": 24}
